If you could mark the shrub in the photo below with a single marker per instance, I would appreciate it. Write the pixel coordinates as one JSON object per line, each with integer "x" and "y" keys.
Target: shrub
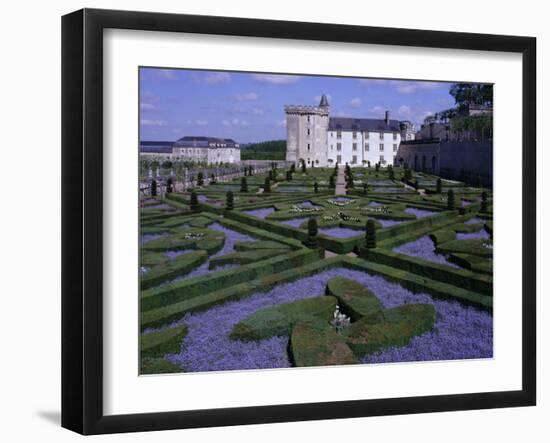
{"x": 213, "y": 179}
{"x": 270, "y": 174}
{"x": 169, "y": 185}
{"x": 292, "y": 168}
{"x": 315, "y": 187}
{"x": 244, "y": 185}
{"x": 288, "y": 176}
{"x": 194, "y": 204}
{"x": 484, "y": 202}
{"x": 438, "y": 186}
{"x": 331, "y": 182}
{"x": 391, "y": 174}
{"x": 153, "y": 188}
{"x": 267, "y": 185}
{"x": 250, "y": 170}
{"x": 377, "y": 167}
{"x": 304, "y": 166}
{"x": 365, "y": 187}
{"x": 200, "y": 179}
{"x": 416, "y": 184}
{"x": 312, "y": 231}
{"x": 450, "y": 199}
{"x": 229, "y": 200}
{"x": 350, "y": 182}
{"x": 370, "y": 234}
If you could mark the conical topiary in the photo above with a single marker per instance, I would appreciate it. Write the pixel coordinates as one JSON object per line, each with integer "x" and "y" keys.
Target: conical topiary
{"x": 244, "y": 185}
{"x": 450, "y": 199}
{"x": 370, "y": 234}
{"x": 229, "y": 200}
{"x": 194, "y": 204}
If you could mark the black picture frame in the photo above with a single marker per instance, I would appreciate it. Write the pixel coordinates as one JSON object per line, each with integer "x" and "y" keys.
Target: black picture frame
{"x": 82, "y": 215}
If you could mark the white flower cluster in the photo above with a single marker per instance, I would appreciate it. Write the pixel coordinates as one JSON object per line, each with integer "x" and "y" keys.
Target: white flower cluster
{"x": 487, "y": 245}
{"x": 193, "y": 235}
{"x": 339, "y": 320}
{"x": 300, "y": 209}
{"x": 340, "y": 203}
{"x": 377, "y": 209}
{"x": 143, "y": 270}
{"x": 340, "y": 216}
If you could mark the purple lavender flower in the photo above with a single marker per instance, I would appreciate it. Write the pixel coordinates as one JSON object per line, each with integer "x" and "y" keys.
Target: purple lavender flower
{"x": 295, "y": 222}
{"x": 424, "y": 248}
{"x": 308, "y": 204}
{"x": 374, "y": 204}
{"x": 388, "y": 223}
{"x": 173, "y": 254}
{"x": 148, "y": 237}
{"x": 261, "y": 212}
{"x": 474, "y": 221}
{"x": 419, "y": 213}
{"x": 460, "y": 332}
{"x": 231, "y": 237}
{"x": 481, "y": 234}
{"x": 339, "y": 232}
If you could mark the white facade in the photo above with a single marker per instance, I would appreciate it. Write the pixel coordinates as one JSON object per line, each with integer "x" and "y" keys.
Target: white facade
{"x": 319, "y": 140}
{"x": 358, "y": 148}
{"x": 208, "y": 155}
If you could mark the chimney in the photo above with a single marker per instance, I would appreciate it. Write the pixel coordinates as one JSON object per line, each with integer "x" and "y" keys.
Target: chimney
{"x": 387, "y": 117}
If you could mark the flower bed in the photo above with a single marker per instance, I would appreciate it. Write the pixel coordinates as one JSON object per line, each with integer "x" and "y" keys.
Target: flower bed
{"x": 481, "y": 234}
{"x": 460, "y": 332}
{"x": 419, "y": 213}
{"x": 261, "y": 212}
{"x": 339, "y": 232}
{"x": 423, "y": 248}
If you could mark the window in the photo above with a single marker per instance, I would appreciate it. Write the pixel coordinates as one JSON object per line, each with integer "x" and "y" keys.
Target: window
{"x": 338, "y": 146}
{"x": 367, "y": 147}
{"x": 367, "y": 135}
{"x": 381, "y": 136}
{"x": 395, "y": 135}
{"x": 331, "y": 147}
{"x": 395, "y": 147}
{"x": 354, "y": 160}
{"x": 354, "y": 134}
{"x": 381, "y": 146}
{"x": 382, "y": 159}
{"x": 308, "y": 131}
{"x": 317, "y": 161}
{"x": 339, "y": 159}
{"x": 308, "y": 146}
{"x": 308, "y": 118}
{"x": 354, "y": 146}
{"x": 338, "y": 134}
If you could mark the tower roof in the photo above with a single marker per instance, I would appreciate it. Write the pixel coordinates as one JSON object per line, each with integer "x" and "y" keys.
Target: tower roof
{"x": 324, "y": 102}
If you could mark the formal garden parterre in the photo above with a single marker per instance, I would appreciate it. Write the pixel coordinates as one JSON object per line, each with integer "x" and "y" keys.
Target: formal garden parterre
{"x": 278, "y": 269}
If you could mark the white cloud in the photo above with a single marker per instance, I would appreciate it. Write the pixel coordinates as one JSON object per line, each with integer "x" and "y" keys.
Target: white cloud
{"x": 276, "y": 79}
{"x": 372, "y": 81}
{"x": 235, "y": 122}
{"x": 249, "y": 96}
{"x": 405, "y": 111}
{"x": 146, "y": 122}
{"x": 342, "y": 114}
{"x": 377, "y": 110}
{"x": 281, "y": 123}
{"x": 197, "y": 122}
{"x": 168, "y": 74}
{"x": 355, "y": 102}
{"x": 405, "y": 87}
{"x": 144, "y": 106}
{"x": 217, "y": 77}
{"x": 257, "y": 111}
{"x": 177, "y": 130}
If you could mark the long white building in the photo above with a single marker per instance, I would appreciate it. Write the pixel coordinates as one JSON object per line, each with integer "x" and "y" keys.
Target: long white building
{"x": 320, "y": 140}
{"x": 195, "y": 148}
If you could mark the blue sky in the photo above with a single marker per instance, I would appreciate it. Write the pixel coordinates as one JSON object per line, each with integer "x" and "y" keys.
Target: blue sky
{"x": 249, "y": 107}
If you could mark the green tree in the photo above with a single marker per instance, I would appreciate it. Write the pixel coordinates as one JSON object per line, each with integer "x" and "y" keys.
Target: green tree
{"x": 438, "y": 186}
{"x": 484, "y": 201}
{"x": 153, "y": 188}
{"x": 450, "y": 199}
{"x": 267, "y": 185}
{"x": 370, "y": 234}
{"x": 331, "y": 182}
{"x": 312, "y": 231}
{"x": 229, "y": 200}
{"x": 194, "y": 204}
{"x": 316, "y": 188}
{"x": 200, "y": 179}
{"x": 244, "y": 185}
{"x": 169, "y": 186}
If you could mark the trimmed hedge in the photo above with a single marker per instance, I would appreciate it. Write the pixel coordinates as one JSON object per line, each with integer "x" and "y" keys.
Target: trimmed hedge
{"x": 200, "y": 286}
{"x": 399, "y": 326}
{"x": 151, "y": 366}
{"x": 318, "y": 344}
{"x": 160, "y": 343}
{"x": 278, "y": 320}
{"x": 171, "y": 269}
{"x": 244, "y": 257}
{"x": 419, "y": 283}
{"x": 356, "y": 300}
{"x": 166, "y": 314}
{"x": 255, "y": 245}
{"x": 472, "y": 246}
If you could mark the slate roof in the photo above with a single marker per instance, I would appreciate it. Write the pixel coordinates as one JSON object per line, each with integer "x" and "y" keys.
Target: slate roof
{"x": 362, "y": 124}
{"x": 156, "y": 147}
{"x": 204, "y": 142}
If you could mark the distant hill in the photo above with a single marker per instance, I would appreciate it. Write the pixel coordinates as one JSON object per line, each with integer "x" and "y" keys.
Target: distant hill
{"x": 268, "y": 150}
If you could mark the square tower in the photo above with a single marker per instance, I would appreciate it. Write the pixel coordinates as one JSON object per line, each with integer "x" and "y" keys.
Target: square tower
{"x": 307, "y": 133}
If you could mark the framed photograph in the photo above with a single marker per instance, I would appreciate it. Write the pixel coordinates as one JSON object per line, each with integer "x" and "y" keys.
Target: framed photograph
{"x": 270, "y": 221}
